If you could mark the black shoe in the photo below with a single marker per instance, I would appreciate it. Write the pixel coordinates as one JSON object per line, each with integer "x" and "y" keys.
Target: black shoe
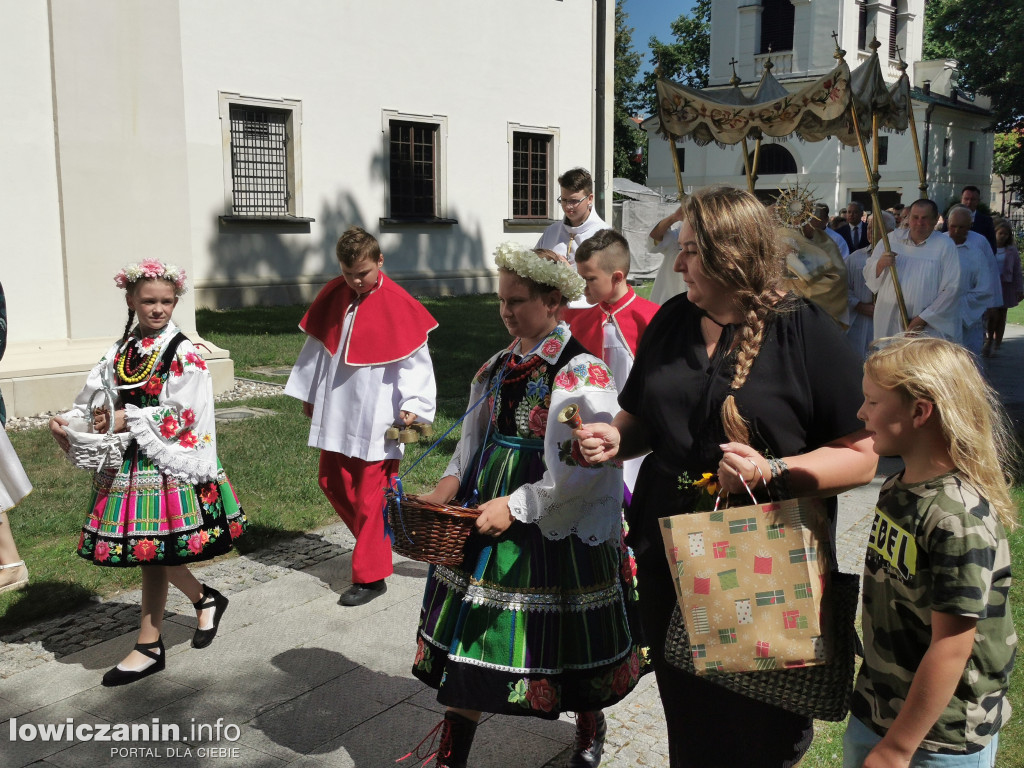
{"x": 457, "y": 734}
{"x": 118, "y": 676}
{"x": 211, "y": 598}
{"x": 361, "y": 594}
{"x": 589, "y": 742}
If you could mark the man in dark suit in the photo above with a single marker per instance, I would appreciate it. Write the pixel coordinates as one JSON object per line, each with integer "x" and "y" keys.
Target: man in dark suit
{"x": 981, "y": 222}
{"x": 855, "y": 231}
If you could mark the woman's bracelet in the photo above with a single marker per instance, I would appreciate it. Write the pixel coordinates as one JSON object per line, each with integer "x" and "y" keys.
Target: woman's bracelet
{"x": 780, "y": 476}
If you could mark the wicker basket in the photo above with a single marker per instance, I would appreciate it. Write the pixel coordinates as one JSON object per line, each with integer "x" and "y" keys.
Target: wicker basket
{"x": 429, "y": 533}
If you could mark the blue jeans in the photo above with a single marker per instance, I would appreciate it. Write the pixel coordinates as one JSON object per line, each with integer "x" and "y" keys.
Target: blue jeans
{"x": 859, "y": 740}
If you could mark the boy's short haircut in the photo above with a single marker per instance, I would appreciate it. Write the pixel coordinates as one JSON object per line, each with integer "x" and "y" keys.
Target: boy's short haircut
{"x": 611, "y": 248}
{"x": 355, "y": 244}
{"x": 577, "y": 180}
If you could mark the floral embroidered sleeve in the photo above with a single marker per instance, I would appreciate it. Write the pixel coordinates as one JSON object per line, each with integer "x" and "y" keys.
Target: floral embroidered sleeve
{"x": 573, "y": 497}
{"x": 178, "y": 433}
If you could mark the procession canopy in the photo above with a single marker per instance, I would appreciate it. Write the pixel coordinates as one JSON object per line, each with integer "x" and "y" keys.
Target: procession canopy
{"x": 728, "y": 117}
{"x": 870, "y": 96}
{"x": 816, "y": 112}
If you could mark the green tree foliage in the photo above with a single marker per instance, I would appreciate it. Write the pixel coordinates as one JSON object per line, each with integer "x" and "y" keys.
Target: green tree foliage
{"x": 984, "y": 38}
{"x": 687, "y": 59}
{"x": 627, "y": 134}
{"x": 1009, "y": 148}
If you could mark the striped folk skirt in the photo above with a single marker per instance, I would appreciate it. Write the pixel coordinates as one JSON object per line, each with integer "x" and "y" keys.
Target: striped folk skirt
{"x": 527, "y": 625}
{"x": 138, "y": 516}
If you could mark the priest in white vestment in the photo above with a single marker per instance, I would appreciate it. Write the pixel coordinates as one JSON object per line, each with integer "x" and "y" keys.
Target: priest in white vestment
{"x": 929, "y": 274}
{"x": 976, "y": 268}
{"x": 665, "y": 238}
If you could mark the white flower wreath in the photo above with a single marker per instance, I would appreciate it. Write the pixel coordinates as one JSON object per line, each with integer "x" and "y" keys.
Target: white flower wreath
{"x": 525, "y": 263}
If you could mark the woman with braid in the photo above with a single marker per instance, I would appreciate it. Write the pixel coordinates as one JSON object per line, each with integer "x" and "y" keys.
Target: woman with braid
{"x": 739, "y": 378}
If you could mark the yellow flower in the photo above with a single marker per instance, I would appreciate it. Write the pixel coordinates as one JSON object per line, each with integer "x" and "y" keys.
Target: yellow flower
{"x": 708, "y": 482}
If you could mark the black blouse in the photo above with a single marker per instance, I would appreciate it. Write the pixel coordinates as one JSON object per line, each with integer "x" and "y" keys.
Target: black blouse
{"x": 803, "y": 391}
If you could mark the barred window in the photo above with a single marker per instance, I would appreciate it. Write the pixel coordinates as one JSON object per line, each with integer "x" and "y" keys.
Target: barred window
{"x": 531, "y": 175}
{"x": 413, "y": 168}
{"x": 262, "y": 142}
{"x": 259, "y": 161}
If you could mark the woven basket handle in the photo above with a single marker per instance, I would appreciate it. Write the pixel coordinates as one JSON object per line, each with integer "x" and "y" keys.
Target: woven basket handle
{"x": 108, "y": 400}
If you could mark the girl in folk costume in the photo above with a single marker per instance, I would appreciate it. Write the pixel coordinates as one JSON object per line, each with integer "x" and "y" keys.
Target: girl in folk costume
{"x": 169, "y": 502}
{"x": 533, "y": 622}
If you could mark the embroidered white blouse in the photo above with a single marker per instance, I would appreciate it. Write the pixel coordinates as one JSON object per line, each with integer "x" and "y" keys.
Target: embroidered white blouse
{"x": 178, "y": 434}
{"x": 569, "y": 498}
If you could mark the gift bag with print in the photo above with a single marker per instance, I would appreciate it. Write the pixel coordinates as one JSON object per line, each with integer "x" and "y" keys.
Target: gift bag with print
{"x": 749, "y": 581}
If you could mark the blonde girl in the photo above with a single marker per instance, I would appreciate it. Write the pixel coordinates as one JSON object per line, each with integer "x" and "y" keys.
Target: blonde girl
{"x": 938, "y": 635}
{"x": 168, "y": 503}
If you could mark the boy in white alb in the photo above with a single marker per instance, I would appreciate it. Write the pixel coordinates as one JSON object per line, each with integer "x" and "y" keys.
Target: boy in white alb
{"x": 576, "y": 196}
{"x": 364, "y": 367}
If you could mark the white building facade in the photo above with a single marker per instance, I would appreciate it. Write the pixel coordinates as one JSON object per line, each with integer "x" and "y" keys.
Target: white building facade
{"x": 796, "y": 35}
{"x": 239, "y": 139}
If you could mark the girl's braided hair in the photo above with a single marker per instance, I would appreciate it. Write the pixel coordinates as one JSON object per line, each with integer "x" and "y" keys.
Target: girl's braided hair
{"x": 738, "y": 249}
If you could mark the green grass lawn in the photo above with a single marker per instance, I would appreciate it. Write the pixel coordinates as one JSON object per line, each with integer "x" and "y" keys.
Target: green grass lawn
{"x": 274, "y": 473}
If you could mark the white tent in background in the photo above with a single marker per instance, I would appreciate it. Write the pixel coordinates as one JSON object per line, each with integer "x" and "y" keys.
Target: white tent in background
{"x": 635, "y": 217}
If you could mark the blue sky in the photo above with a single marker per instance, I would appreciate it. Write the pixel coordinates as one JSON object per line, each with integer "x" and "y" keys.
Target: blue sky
{"x": 653, "y": 17}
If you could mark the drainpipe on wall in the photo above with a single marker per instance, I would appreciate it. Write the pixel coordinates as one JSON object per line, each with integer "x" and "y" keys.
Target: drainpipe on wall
{"x": 927, "y": 133}
{"x": 604, "y": 40}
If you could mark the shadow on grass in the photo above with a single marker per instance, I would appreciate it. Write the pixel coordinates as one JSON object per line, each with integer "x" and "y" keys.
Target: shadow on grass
{"x": 251, "y": 321}
{"x": 43, "y": 600}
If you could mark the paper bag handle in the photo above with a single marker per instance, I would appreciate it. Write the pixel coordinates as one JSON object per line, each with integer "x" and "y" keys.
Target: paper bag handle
{"x": 718, "y": 496}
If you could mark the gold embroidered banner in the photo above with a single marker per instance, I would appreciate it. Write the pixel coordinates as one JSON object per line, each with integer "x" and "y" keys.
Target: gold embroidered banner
{"x": 817, "y": 111}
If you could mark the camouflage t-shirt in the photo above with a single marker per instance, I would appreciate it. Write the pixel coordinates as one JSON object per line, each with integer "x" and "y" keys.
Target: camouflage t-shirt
{"x": 936, "y": 546}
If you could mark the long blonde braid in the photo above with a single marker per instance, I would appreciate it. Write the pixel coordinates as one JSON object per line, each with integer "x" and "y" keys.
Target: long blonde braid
{"x": 738, "y": 249}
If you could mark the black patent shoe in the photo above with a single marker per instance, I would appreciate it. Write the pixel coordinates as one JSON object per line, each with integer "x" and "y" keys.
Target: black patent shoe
{"x": 211, "y": 599}
{"x": 361, "y": 594}
{"x": 589, "y": 742}
{"x": 118, "y": 676}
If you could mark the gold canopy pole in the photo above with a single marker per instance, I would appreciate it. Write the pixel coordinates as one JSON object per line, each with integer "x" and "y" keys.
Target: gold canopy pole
{"x": 675, "y": 165}
{"x": 757, "y": 160}
{"x": 922, "y": 179}
{"x": 873, "y": 186}
{"x": 672, "y": 147}
{"x": 746, "y": 165}
{"x": 735, "y": 81}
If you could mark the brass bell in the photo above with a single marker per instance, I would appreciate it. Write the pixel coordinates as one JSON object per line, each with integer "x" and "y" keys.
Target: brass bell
{"x": 392, "y": 433}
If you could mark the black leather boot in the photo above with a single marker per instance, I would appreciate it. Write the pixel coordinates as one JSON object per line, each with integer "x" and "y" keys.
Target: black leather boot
{"x": 589, "y": 743}
{"x": 456, "y": 739}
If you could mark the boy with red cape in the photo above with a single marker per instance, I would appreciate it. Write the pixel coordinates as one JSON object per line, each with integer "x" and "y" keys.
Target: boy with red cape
{"x": 364, "y": 368}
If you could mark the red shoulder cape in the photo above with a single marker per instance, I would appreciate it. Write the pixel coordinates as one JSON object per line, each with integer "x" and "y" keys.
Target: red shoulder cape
{"x": 387, "y": 324}
{"x": 631, "y": 314}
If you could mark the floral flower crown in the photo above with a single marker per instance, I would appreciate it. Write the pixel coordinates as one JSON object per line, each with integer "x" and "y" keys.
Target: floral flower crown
{"x": 151, "y": 269}
{"x": 525, "y": 263}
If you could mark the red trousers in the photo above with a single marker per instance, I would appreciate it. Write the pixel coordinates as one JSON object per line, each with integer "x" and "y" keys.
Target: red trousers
{"x": 355, "y": 489}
